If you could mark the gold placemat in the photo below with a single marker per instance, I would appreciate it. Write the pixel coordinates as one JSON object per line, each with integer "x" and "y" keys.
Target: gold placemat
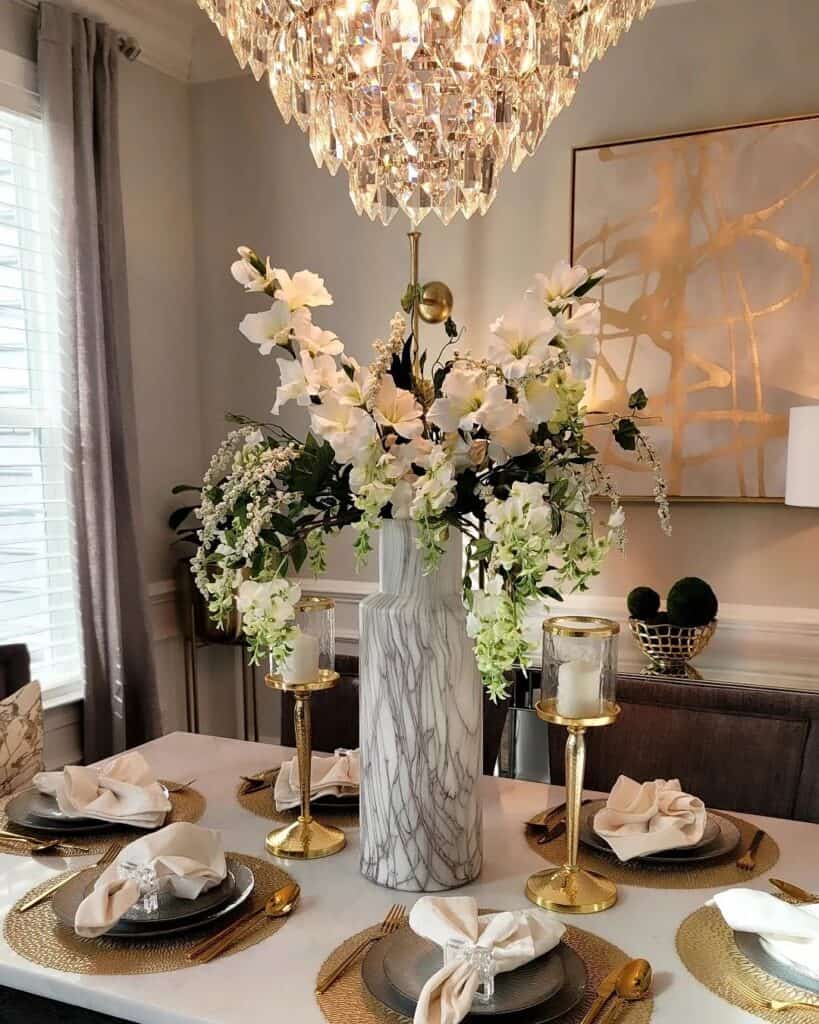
{"x": 707, "y": 875}
{"x": 261, "y": 804}
{"x": 347, "y": 1001}
{"x": 38, "y": 935}
{"x": 186, "y": 805}
{"x": 706, "y": 946}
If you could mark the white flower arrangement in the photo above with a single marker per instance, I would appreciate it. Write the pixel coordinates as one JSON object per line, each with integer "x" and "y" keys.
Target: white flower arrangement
{"x": 496, "y": 448}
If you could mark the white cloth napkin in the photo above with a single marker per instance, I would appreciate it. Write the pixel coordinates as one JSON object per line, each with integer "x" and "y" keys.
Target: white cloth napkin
{"x": 639, "y": 819}
{"x": 187, "y": 858}
{"x": 515, "y": 937}
{"x": 124, "y": 791}
{"x": 334, "y": 775}
{"x": 789, "y": 933}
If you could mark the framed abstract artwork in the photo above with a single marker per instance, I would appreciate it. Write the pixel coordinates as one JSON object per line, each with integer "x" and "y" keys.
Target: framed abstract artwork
{"x": 711, "y": 302}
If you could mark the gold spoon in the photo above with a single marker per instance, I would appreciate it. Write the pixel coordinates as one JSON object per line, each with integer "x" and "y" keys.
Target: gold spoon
{"x": 633, "y": 984}
{"x": 280, "y": 904}
{"x": 34, "y": 845}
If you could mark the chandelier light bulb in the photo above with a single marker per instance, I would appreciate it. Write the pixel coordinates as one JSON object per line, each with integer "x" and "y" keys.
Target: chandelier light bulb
{"x": 423, "y": 102}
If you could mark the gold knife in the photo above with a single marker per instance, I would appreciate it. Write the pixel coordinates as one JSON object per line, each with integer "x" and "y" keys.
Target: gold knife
{"x": 605, "y": 990}
{"x": 794, "y": 891}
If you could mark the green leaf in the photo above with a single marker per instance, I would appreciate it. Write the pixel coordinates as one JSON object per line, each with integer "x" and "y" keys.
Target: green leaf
{"x": 587, "y": 286}
{"x": 408, "y": 298}
{"x": 180, "y": 488}
{"x": 451, "y": 328}
{"x": 298, "y": 554}
{"x": 638, "y": 399}
{"x": 179, "y": 515}
{"x": 626, "y": 434}
{"x": 281, "y": 524}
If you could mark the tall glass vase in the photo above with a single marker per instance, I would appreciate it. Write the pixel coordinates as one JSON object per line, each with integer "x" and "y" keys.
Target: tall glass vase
{"x": 421, "y": 723}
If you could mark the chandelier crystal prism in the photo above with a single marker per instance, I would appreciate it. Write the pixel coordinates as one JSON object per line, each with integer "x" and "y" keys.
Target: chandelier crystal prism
{"x": 422, "y": 101}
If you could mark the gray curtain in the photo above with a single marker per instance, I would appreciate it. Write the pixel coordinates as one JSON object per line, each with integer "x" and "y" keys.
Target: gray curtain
{"x": 78, "y": 68}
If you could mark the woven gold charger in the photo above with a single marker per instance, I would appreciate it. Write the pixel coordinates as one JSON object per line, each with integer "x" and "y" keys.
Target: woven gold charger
{"x": 38, "y": 936}
{"x": 707, "y": 875}
{"x": 186, "y": 805}
{"x": 706, "y": 946}
{"x": 261, "y": 804}
{"x": 347, "y": 1001}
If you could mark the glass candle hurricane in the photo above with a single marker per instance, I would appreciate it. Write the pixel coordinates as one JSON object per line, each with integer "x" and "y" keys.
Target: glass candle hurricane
{"x": 579, "y": 677}
{"x": 314, "y": 647}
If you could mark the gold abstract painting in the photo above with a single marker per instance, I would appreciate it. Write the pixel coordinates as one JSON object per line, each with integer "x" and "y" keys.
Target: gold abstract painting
{"x": 711, "y": 302}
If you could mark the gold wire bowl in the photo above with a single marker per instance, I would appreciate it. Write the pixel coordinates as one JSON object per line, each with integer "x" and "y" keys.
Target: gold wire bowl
{"x": 669, "y": 647}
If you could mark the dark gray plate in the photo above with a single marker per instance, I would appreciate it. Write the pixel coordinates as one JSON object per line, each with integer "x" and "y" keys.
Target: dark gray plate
{"x": 720, "y": 838}
{"x": 560, "y": 1003}
{"x": 347, "y": 801}
{"x": 200, "y": 912}
{"x": 750, "y": 945}
{"x": 409, "y": 961}
{"x": 36, "y": 812}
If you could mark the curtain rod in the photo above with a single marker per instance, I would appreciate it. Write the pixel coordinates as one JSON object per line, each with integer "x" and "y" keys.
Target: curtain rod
{"x": 127, "y": 45}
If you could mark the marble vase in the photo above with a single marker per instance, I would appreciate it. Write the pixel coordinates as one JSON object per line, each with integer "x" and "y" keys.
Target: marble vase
{"x": 421, "y": 723}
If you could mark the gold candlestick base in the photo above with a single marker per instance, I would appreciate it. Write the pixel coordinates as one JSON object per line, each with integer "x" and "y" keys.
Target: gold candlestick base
{"x": 305, "y": 840}
{"x": 571, "y": 891}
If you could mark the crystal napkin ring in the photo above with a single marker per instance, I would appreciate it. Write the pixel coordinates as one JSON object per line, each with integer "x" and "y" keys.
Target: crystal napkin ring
{"x": 148, "y": 882}
{"x": 482, "y": 960}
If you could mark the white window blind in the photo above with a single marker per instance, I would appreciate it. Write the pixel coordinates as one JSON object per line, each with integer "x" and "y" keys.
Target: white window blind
{"x": 38, "y": 592}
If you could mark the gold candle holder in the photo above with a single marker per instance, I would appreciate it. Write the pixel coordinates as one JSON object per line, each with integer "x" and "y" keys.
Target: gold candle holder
{"x": 305, "y": 838}
{"x": 578, "y": 684}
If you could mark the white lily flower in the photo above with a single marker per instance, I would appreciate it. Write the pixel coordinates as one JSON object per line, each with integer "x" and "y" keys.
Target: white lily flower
{"x": 400, "y": 459}
{"x": 269, "y": 328}
{"x": 352, "y": 390}
{"x": 579, "y": 334}
{"x": 304, "y": 288}
{"x": 394, "y": 407}
{"x": 311, "y": 337}
{"x": 272, "y": 601}
{"x": 247, "y": 275}
{"x": 557, "y": 288}
{"x": 521, "y": 338}
{"x": 293, "y": 384}
{"x": 348, "y": 428}
{"x": 538, "y": 400}
{"x": 320, "y": 372}
{"x": 511, "y": 440}
{"x": 470, "y": 399}
{"x": 401, "y": 499}
{"x": 617, "y": 519}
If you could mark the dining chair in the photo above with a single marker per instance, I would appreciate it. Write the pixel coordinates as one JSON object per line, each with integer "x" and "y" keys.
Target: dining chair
{"x": 21, "y": 738}
{"x": 334, "y": 719}
{"x": 15, "y": 668}
{"x": 749, "y": 748}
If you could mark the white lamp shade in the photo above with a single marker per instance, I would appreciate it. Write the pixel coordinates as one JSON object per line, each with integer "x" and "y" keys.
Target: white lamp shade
{"x": 802, "y": 481}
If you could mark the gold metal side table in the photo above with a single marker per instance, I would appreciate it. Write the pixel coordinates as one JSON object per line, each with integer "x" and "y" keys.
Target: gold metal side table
{"x": 305, "y": 838}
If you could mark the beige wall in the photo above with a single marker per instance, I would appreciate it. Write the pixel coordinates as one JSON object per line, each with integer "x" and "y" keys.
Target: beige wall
{"x": 688, "y": 66}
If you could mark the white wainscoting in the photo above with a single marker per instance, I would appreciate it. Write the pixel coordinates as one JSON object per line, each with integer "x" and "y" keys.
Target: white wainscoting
{"x": 761, "y": 644}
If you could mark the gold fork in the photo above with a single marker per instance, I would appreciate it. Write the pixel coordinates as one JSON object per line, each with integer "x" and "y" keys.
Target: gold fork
{"x": 394, "y": 919}
{"x": 108, "y": 857}
{"x": 747, "y": 862}
{"x": 771, "y": 1004}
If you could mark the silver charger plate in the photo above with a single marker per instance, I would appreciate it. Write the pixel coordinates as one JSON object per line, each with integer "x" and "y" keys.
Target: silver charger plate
{"x": 548, "y": 1009}
{"x": 751, "y": 947}
{"x": 66, "y": 900}
{"x": 409, "y": 961}
{"x": 36, "y": 812}
{"x": 720, "y": 838}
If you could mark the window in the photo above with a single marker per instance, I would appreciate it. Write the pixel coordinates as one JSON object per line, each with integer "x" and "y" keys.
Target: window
{"x": 38, "y": 592}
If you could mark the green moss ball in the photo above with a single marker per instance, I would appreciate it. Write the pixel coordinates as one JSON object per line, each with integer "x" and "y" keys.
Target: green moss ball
{"x": 660, "y": 619}
{"x": 691, "y": 602}
{"x": 643, "y": 603}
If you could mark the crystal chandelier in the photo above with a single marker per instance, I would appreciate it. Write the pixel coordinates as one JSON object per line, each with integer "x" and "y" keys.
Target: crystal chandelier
{"x": 422, "y": 101}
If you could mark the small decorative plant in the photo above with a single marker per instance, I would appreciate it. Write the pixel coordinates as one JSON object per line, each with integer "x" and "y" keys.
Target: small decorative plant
{"x": 671, "y": 638}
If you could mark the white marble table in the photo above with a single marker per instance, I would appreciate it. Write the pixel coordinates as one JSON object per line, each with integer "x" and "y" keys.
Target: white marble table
{"x": 274, "y": 980}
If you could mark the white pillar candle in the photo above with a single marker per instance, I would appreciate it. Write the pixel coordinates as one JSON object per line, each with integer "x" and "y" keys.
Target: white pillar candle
{"x": 302, "y": 666}
{"x": 578, "y": 689}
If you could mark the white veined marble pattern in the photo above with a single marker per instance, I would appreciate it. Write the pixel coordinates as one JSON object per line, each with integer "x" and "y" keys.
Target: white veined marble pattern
{"x": 421, "y": 724}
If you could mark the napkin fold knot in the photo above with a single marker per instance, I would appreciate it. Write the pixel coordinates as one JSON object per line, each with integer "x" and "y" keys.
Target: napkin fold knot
{"x": 329, "y": 776}
{"x": 184, "y": 859}
{"x": 640, "y": 819}
{"x": 508, "y": 940}
{"x": 124, "y": 791}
